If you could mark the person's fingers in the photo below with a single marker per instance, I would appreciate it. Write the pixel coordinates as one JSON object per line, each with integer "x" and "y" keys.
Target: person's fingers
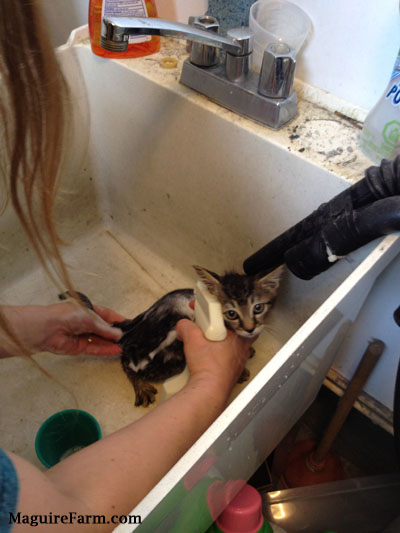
{"x": 186, "y": 327}
{"x": 108, "y": 315}
{"x": 98, "y": 326}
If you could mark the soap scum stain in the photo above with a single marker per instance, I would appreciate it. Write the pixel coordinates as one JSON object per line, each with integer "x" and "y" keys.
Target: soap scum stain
{"x": 317, "y": 135}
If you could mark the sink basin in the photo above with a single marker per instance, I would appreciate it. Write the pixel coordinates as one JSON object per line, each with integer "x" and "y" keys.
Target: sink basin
{"x": 167, "y": 179}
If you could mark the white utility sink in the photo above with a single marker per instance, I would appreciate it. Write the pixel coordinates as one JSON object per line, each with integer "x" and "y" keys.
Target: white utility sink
{"x": 161, "y": 179}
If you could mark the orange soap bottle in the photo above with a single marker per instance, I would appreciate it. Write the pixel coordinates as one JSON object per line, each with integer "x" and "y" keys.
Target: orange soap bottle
{"x": 142, "y": 45}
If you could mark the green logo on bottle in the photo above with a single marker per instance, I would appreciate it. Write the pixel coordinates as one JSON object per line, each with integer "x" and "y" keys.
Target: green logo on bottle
{"x": 391, "y": 133}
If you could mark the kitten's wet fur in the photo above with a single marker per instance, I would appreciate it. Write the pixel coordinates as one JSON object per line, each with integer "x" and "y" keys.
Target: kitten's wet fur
{"x": 151, "y": 351}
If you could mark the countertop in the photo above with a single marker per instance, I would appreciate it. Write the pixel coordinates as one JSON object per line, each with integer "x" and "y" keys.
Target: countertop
{"x": 325, "y": 131}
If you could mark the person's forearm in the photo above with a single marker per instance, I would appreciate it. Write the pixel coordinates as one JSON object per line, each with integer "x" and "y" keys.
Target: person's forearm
{"x": 116, "y": 473}
{"x": 11, "y": 318}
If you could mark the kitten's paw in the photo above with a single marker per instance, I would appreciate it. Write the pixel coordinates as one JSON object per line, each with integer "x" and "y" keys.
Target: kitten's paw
{"x": 244, "y": 376}
{"x": 145, "y": 394}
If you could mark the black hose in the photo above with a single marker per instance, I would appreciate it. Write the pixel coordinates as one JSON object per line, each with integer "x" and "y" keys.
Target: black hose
{"x": 378, "y": 183}
{"x": 346, "y": 233}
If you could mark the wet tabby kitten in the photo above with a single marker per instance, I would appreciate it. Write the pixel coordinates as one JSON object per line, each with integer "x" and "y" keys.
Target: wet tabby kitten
{"x": 151, "y": 350}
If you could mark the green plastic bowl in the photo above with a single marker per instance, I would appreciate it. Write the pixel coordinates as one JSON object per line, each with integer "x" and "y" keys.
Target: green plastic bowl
{"x": 65, "y": 433}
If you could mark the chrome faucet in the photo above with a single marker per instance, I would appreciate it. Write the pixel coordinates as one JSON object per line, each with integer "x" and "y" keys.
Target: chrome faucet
{"x": 267, "y": 98}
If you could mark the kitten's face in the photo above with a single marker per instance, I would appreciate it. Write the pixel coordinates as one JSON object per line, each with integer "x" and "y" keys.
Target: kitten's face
{"x": 245, "y": 300}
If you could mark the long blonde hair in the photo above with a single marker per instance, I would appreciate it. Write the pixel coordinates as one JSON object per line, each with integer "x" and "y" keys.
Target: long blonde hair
{"x": 33, "y": 109}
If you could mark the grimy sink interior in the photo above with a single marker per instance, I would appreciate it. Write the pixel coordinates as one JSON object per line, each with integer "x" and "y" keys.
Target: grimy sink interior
{"x": 155, "y": 183}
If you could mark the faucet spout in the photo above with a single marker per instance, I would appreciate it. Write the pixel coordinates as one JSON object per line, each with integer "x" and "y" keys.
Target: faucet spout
{"x": 115, "y": 33}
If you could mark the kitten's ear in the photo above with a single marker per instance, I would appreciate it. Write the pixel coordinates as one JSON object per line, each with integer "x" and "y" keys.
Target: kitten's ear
{"x": 272, "y": 280}
{"x": 210, "y": 279}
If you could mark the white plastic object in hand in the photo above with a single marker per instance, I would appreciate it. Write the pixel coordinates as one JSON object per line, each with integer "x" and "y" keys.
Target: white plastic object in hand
{"x": 172, "y": 385}
{"x": 208, "y": 314}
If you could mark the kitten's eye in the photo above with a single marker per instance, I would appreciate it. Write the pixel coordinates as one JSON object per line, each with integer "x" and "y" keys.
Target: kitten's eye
{"x": 258, "y": 308}
{"x": 231, "y": 315}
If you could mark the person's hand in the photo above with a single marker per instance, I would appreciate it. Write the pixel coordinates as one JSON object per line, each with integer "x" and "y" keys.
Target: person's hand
{"x": 66, "y": 328}
{"x": 217, "y": 365}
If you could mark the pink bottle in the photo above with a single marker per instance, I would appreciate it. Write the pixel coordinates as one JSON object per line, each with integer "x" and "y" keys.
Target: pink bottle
{"x": 243, "y": 514}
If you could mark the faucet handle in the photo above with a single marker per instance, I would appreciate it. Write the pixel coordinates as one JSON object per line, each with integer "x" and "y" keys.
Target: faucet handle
{"x": 277, "y": 71}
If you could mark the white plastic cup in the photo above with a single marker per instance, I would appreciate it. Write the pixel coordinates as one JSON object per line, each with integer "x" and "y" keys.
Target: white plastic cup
{"x": 277, "y": 21}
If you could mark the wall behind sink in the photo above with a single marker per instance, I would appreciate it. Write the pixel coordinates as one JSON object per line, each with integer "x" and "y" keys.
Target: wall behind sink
{"x": 350, "y": 53}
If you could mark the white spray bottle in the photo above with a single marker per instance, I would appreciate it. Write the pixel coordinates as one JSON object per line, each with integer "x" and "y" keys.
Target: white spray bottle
{"x": 380, "y": 136}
